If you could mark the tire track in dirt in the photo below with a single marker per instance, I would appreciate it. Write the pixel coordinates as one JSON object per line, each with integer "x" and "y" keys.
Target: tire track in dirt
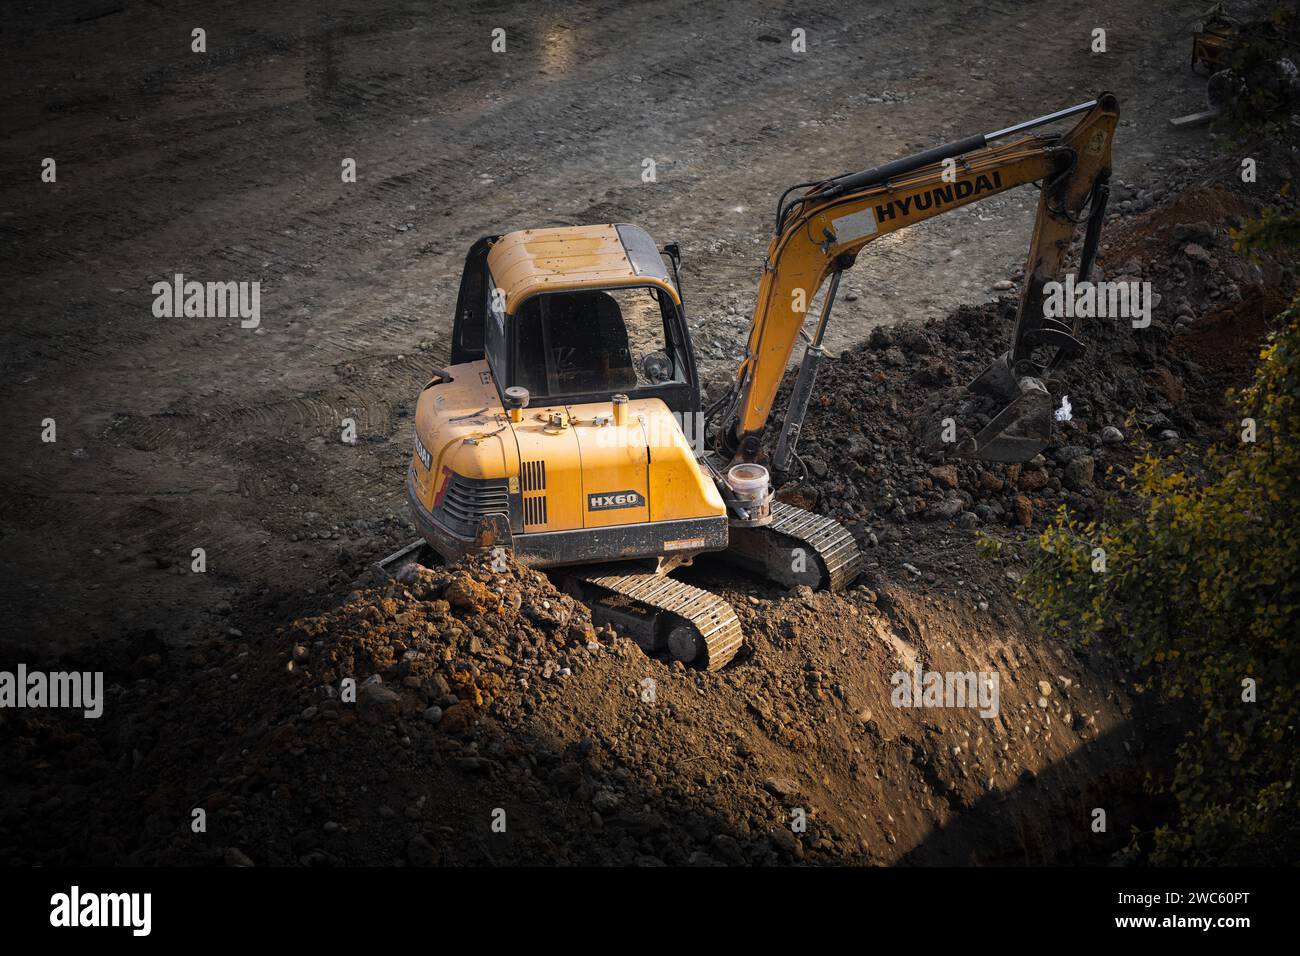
{"x": 224, "y": 426}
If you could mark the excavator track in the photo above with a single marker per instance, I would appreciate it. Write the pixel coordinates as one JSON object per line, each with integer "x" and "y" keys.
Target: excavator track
{"x": 693, "y": 625}
{"x": 798, "y": 547}
{"x": 830, "y": 540}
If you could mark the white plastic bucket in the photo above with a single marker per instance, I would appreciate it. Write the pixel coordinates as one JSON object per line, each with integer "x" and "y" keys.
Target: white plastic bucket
{"x": 748, "y": 481}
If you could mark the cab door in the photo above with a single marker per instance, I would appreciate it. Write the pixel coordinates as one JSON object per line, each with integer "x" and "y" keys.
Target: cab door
{"x": 471, "y": 305}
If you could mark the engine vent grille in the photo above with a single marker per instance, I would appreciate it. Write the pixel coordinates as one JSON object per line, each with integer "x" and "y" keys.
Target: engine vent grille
{"x": 534, "y": 475}
{"x": 469, "y": 499}
{"x": 535, "y": 510}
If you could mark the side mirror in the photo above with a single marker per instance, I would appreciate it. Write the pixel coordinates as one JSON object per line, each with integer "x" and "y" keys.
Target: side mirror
{"x": 674, "y": 252}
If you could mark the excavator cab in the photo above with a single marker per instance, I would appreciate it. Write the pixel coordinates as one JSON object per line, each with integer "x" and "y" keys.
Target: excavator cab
{"x": 578, "y": 314}
{"x": 557, "y": 431}
{"x": 574, "y": 342}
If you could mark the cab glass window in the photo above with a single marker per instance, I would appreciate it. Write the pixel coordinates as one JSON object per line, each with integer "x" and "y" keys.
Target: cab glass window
{"x": 595, "y": 342}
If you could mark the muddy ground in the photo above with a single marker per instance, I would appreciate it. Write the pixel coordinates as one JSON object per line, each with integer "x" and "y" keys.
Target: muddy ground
{"x": 175, "y": 434}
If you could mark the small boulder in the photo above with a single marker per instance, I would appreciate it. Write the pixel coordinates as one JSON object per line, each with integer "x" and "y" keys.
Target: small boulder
{"x": 377, "y": 704}
{"x": 945, "y": 475}
{"x": 1024, "y": 511}
{"x": 946, "y": 509}
{"x": 467, "y": 593}
{"x": 1032, "y": 480}
{"x": 1079, "y": 472}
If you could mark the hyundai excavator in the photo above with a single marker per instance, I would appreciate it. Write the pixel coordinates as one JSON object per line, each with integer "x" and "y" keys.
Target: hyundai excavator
{"x": 568, "y": 428}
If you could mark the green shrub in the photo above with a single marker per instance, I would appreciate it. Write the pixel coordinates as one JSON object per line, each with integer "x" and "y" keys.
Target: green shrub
{"x": 1201, "y": 594}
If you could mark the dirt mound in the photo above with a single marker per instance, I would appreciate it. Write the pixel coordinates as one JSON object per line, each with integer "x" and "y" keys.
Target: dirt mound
{"x": 441, "y": 641}
{"x": 492, "y": 724}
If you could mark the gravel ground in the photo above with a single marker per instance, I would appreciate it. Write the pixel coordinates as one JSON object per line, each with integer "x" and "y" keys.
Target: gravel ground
{"x": 226, "y": 166}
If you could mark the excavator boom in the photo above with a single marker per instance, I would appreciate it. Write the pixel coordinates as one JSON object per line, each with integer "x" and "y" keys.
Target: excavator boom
{"x": 820, "y": 232}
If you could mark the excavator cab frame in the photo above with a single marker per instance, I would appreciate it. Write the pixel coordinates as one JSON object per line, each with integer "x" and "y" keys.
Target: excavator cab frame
{"x": 469, "y": 322}
{"x": 472, "y": 339}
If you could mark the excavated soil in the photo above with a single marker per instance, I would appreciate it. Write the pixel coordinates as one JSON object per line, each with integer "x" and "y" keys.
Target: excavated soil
{"x": 485, "y": 697}
{"x": 871, "y": 449}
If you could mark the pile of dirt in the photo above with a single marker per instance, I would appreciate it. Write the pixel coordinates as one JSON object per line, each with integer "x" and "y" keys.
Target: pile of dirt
{"x": 439, "y": 642}
{"x": 238, "y": 728}
{"x": 492, "y": 724}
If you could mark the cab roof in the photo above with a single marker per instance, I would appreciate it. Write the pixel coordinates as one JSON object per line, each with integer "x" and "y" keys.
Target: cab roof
{"x": 566, "y": 258}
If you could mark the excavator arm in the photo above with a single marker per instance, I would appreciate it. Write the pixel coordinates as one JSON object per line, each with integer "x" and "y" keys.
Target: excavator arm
{"x": 821, "y": 231}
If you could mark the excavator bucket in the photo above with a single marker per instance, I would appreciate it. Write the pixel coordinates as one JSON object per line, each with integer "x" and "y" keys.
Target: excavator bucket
{"x": 1023, "y": 427}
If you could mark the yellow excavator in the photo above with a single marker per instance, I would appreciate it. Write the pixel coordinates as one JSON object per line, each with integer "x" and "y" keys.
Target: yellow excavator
{"x": 568, "y": 428}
